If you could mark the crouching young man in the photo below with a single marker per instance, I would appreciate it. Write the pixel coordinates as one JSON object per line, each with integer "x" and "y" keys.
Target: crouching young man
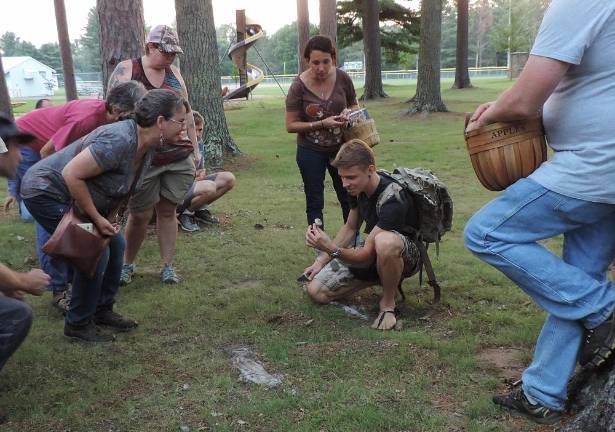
{"x": 388, "y": 255}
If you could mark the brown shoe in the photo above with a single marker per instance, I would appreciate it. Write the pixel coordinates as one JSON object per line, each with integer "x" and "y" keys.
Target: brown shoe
{"x": 105, "y": 316}
{"x": 88, "y": 332}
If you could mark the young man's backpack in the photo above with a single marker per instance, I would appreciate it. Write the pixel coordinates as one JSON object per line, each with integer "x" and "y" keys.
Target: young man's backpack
{"x": 434, "y": 208}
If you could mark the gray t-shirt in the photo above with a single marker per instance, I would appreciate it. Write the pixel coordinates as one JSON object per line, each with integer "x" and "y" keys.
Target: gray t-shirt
{"x": 114, "y": 148}
{"x": 579, "y": 116}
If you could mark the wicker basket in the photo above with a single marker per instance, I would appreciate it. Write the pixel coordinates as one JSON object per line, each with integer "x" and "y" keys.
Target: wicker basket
{"x": 365, "y": 131}
{"x": 502, "y": 153}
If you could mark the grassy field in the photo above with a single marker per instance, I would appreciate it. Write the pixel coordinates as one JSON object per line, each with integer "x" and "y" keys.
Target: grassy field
{"x": 436, "y": 374}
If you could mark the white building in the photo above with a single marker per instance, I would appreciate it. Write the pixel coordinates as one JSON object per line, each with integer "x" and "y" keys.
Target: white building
{"x": 26, "y": 77}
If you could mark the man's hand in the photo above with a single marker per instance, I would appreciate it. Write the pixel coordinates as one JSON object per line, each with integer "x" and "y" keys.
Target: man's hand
{"x": 9, "y": 201}
{"x": 317, "y": 238}
{"x": 475, "y": 120}
{"x": 34, "y": 282}
{"x": 200, "y": 174}
{"x": 313, "y": 270}
{"x": 47, "y": 149}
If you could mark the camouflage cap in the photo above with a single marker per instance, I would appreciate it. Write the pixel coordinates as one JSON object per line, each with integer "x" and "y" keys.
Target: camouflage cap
{"x": 166, "y": 37}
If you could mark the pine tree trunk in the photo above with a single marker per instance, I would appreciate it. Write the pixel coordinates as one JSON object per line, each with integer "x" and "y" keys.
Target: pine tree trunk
{"x": 67, "y": 58}
{"x": 328, "y": 20}
{"x": 428, "y": 97}
{"x": 592, "y": 402}
{"x": 462, "y": 76}
{"x": 122, "y": 33}
{"x": 303, "y": 30}
{"x": 373, "y": 88}
{"x": 201, "y": 72}
{"x": 5, "y": 98}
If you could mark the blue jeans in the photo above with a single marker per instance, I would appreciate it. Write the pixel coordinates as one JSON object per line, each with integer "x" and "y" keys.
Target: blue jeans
{"x": 15, "y": 322}
{"x": 313, "y": 166}
{"x": 88, "y": 293}
{"x": 572, "y": 289}
{"x": 60, "y": 272}
{"x": 24, "y": 214}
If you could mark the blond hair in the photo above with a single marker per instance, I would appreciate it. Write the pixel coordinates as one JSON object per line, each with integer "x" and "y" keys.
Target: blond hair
{"x": 354, "y": 153}
{"x": 198, "y": 118}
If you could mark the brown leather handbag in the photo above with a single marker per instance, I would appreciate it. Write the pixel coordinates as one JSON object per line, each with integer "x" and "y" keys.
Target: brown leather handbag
{"x": 77, "y": 241}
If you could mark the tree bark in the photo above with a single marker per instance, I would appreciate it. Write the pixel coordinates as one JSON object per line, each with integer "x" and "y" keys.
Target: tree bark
{"x": 462, "y": 76}
{"x": 303, "y": 30}
{"x": 122, "y": 33}
{"x": 201, "y": 72}
{"x": 592, "y": 401}
{"x": 67, "y": 57}
{"x": 373, "y": 88}
{"x": 5, "y": 98}
{"x": 428, "y": 97}
{"x": 328, "y": 20}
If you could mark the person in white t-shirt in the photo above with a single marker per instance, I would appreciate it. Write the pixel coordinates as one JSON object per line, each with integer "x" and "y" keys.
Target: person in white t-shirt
{"x": 569, "y": 79}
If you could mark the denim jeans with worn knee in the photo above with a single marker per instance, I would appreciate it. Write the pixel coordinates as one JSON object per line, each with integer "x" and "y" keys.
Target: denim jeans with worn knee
{"x": 49, "y": 212}
{"x": 15, "y": 322}
{"x": 88, "y": 293}
{"x": 313, "y": 165}
{"x": 572, "y": 289}
{"x": 60, "y": 272}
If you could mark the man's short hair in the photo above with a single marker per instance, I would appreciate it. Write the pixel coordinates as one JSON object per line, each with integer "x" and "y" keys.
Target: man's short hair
{"x": 124, "y": 96}
{"x": 354, "y": 153}
{"x": 198, "y": 118}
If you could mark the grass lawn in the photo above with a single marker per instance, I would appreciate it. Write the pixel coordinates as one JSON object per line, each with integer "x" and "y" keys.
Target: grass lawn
{"x": 437, "y": 374}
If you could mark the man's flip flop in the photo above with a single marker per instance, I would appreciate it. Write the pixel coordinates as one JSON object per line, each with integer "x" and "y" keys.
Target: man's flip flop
{"x": 382, "y": 314}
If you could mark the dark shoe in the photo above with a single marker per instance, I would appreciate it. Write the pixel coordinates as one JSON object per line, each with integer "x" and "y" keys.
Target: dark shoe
{"x": 518, "y": 404}
{"x": 205, "y": 216}
{"x": 599, "y": 343}
{"x": 89, "y": 332}
{"x": 187, "y": 223}
{"x": 106, "y": 317}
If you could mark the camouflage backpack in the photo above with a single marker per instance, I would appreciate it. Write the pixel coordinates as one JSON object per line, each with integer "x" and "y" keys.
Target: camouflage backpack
{"x": 434, "y": 208}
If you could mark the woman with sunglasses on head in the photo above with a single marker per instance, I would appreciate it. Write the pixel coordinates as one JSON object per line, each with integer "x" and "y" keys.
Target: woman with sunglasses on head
{"x": 173, "y": 169}
{"x": 97, "y": 173}
{"x": 316, "y": 107}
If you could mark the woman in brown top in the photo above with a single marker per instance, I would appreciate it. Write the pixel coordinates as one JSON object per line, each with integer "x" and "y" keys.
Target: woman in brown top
{"x": 317, "y": 104}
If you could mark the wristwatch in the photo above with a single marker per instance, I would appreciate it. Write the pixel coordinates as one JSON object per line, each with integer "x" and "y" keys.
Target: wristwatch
{"x": 336, "y": 253}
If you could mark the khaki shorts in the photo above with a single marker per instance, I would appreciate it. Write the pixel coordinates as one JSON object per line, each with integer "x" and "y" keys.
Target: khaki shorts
{"x": 171, "y": 181}
{"x": 338, "y": 276}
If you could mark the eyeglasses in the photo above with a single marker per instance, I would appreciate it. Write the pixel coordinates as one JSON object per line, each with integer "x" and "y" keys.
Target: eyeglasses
{"x": 179, "y": 122}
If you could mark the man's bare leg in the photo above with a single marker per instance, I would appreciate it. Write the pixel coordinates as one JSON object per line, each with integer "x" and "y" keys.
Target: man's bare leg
{"x": 323, "y": 295}
{"x": 390, "y": 264}
{"x": 136, "y": 230}
{"x": 208, "y": 191}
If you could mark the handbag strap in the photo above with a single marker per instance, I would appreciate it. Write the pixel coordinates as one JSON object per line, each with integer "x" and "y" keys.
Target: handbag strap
{"x": 120, "y": 208}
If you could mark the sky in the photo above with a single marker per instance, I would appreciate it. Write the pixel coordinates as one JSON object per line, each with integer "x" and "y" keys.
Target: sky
{"x": 39, "y": 27}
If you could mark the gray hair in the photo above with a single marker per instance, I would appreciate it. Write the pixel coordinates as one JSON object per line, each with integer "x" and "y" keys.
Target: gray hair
{"x": 158, "y": 102}
{"x": 124, "y": 96}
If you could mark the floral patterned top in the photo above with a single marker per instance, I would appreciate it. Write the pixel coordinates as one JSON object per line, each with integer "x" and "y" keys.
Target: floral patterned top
{"x": 313, "y": 109}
